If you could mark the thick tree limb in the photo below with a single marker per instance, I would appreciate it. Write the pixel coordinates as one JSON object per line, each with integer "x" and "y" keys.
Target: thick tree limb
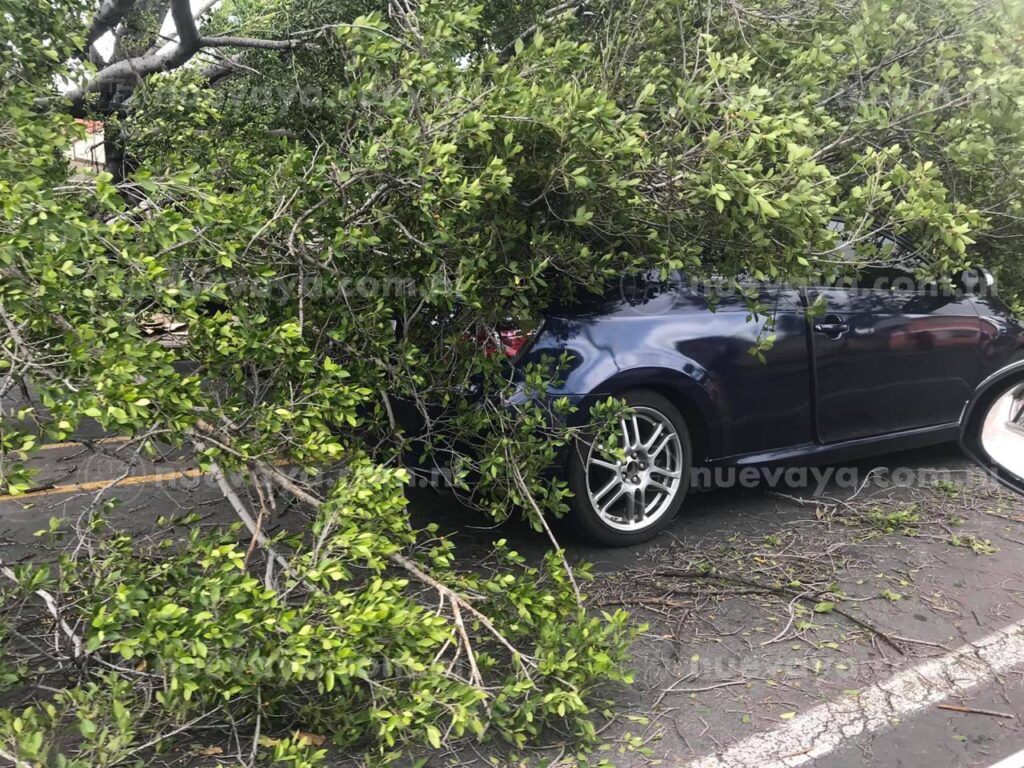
{"x": 252, "y": 42}
{"x": 132, "y": 71}
{"x": 107, "y": 17}
{"x": 188, "y": 33}
{"x": 197, "y": 14}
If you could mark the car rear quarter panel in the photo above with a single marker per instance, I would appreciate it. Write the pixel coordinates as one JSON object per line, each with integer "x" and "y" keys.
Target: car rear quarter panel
{"x": 1002, "y": 334}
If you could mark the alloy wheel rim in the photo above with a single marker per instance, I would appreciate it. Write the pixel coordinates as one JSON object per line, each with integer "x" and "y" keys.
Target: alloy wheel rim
{"x": 634, "y": 492}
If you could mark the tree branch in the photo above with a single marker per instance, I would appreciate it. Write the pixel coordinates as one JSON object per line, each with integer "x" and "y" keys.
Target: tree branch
{"x": 574, "y": 7}
{"x": 407, "y": 565}
{"x": 77, "y": 646}
{"x": 254, "y": 528}
{"x": 14, "y": 760}
{"x": 273, "y": 475}
{"x": 252, "y": 42}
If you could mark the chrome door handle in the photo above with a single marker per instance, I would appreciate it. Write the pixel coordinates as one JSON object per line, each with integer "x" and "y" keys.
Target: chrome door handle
{"x": 832, "y": 326}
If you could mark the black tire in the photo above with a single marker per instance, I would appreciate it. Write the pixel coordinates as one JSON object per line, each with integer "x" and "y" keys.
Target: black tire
{"x": 585, "y": 517}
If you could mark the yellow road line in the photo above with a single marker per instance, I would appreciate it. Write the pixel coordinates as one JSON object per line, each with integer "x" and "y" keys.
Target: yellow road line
{"x": 73, "y": 443}
{"x": 97, "y": 485}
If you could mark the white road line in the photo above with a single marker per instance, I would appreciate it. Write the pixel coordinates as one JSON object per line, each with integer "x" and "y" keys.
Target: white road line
{"x": 825, "y": 728}
{"x": 1013, "y": 761}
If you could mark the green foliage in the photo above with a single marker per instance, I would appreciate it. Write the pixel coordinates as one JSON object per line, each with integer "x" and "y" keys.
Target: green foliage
{"x": 776, "y": 118}
{"x": 341, "y": 648}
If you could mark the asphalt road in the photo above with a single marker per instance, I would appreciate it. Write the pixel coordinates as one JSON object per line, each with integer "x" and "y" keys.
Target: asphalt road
{"x": 821, "y": 595}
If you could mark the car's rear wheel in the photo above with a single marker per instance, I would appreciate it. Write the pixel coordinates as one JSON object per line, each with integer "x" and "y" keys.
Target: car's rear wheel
{"x": 628, "y": 499}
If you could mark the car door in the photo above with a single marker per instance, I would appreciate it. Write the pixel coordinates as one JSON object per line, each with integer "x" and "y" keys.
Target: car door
{"x": 890, "y": 354}
{"x": 763, "y": 400}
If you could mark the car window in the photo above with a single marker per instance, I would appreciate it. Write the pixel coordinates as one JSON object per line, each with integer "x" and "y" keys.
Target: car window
{"x": 880, "y": 263}
{"x": 887, "y": 279}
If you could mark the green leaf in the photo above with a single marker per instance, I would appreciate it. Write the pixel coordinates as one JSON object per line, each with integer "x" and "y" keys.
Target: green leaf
{"x": 433, "y": 737}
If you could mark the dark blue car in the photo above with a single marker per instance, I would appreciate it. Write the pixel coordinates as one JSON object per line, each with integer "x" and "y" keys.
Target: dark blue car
{"x": 886, "y": 365}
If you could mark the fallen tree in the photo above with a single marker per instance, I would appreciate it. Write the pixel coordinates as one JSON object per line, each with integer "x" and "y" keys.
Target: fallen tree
{"x": 343, "y": 214}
